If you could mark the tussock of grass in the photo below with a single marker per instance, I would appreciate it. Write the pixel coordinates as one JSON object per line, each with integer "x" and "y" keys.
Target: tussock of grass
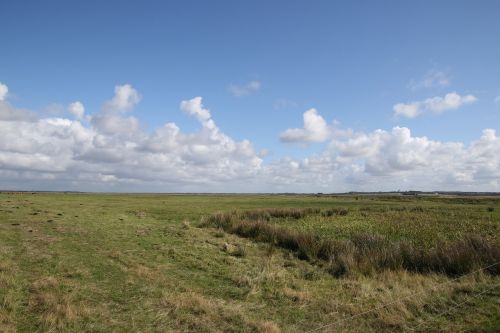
{"x": 367, "y": 253}
{"x": 55, "y": 309}
{"x": 335, "y": 211}
{"x": 198, "y": 313}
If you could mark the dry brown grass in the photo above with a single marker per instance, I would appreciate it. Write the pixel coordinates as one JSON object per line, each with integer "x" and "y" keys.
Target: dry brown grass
{"x": 194, "y": 312}
{"x": 268, "y": 327}
{"x": 9, "y": 301}
{"x": 54, "y": 308}
{"x": 144, "y": 271}
{"x": 296, "y": 296}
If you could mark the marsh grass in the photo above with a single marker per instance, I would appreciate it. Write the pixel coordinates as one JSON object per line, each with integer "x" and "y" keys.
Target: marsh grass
{"x": 334, "y": 211}
{"x": 128, "y": 263}
{"x": 364, "y": 252}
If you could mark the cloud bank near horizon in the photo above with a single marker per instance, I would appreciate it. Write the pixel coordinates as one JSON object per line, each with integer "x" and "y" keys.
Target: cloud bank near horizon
{"x": 109, "y": 151}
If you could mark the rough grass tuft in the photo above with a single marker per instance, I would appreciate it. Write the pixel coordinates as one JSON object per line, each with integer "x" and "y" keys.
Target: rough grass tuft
{"x": 335, "y": 211}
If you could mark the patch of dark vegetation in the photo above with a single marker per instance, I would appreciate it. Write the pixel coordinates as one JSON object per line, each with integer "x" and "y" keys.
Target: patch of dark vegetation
{"x": 385, "y": 209}
{"x": 295, "y": 213}
{"x": 418, "y": 209}
{"x": 335, "y": 211}
{"x": 366, "y": 253}
{"x": 375, "y": 209}
{"x": 265, "y": 214}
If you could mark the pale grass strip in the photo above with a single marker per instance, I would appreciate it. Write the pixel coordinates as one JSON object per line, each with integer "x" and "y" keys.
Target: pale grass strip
{"x": 454, "y": 307}
{"x": 398, "y": 300}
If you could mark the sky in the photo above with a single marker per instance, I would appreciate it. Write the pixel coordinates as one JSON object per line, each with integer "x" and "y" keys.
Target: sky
{"x": 250, "y": 96}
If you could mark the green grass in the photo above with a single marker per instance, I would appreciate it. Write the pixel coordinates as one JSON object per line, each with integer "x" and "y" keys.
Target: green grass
{"x": 128, "y": 263}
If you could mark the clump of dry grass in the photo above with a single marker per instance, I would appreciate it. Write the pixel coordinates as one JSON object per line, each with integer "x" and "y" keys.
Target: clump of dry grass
{"x": 268, "y": 327}
{"x": 55, "y": 310}
{"x": 196, "y": 312}
{"x": 186, "y": 224}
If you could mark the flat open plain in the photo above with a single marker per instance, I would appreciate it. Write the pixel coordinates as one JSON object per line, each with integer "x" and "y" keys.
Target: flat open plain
{"x": 81, "y": 262}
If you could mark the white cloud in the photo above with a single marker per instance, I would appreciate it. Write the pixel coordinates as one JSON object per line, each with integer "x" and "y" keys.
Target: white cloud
{"x": 113, "y": 153}
{"x": 77, "y": 109}
{"x": 125, "y": 98}
{"x": 4, "y": 90}
{"x": 450, "y": 101}
{"x": 115, "y": 124}
{"x": 9, "y": 113}
{"x": 315, "y": 129}
{"x": 244, "y": 90}
{"x": 409, "y": 110}
{"x": 497, "y": 99}
{"x": 111, "y": 121}
{"x": 431, "y": 79}
{"x": 195, "y": 107}
{"x": 389, "y": 160}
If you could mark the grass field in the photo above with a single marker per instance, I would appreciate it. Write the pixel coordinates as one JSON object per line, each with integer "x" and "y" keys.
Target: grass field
{"x": 152, "y": 263}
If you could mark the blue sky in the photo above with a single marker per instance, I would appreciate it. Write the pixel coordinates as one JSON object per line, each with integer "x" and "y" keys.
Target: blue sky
{"x": 352, "y": 61}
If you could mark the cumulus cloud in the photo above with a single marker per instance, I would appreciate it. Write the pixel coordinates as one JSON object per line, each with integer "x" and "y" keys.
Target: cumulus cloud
{"x": 9, "y": 113}
{"x": 77, "y": 109}
{"x": 409, "y": 110}
{"x": 450, "y": 101}
{"x": 111, "y": 119}
{"x": 422, "y": 162}
{"x": 388, "y": 160}
{"x": 315, "y": 129}
{"x": 195, "y": 107}
{"x": 115, "y": 124}
{"x": 3, "y": 91}
{"x": 125, "y": 98}
{"x": 112, "y": 152}
{"x": 117, "y": 155}
{"x": 244, "y": 90}
{"x": 431, "y": 79}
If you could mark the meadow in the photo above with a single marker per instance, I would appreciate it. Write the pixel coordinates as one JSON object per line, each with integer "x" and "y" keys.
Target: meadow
{"x": 77, "y": 262}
